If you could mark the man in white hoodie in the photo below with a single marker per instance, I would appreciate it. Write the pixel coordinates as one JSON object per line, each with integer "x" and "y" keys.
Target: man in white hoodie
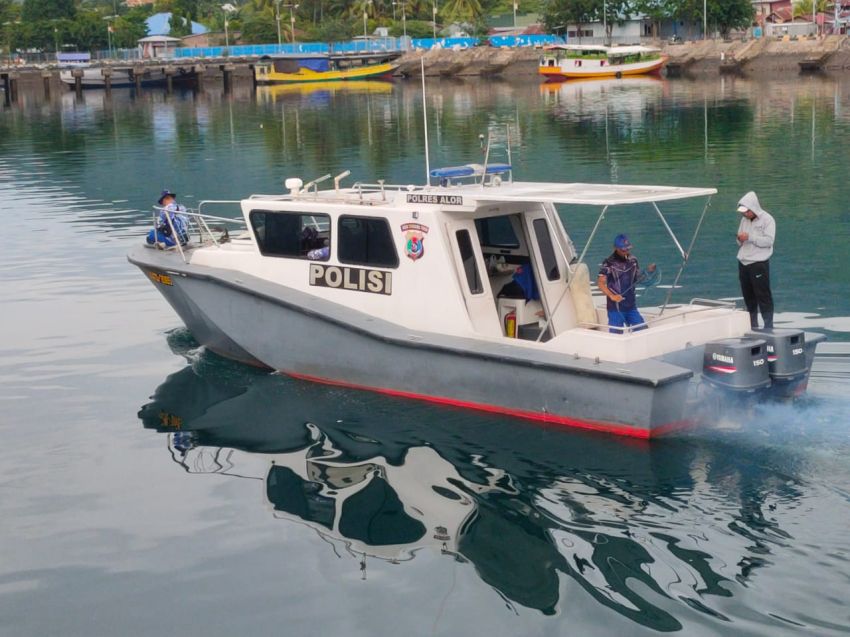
{"x": 756, "y": 234}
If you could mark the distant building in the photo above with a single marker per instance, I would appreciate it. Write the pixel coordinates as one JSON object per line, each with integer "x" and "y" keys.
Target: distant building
{"x": 629, "y": 32}
{"x": 526, "y": 24}
{"x": 762, "y": 9}
{"x": 158, "y": 46}
{"x": 138, "y": 3}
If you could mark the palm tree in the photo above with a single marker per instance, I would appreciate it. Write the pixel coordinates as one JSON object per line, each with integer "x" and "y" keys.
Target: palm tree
{"x": 461, "y": 10}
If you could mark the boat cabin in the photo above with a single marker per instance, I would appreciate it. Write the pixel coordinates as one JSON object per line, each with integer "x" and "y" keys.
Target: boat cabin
{"x": 598, "y": 55}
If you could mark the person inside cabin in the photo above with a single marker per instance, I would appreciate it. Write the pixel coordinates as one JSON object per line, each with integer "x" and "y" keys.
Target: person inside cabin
{"x": 162, "y": 236}
{"x": 522, "y": 284}
{"x": 618, "y": 276}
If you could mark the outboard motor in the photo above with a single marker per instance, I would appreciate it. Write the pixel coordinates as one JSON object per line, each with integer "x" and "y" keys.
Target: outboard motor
{"x": 786, "y": 357}
{"x": 737, "y": 364}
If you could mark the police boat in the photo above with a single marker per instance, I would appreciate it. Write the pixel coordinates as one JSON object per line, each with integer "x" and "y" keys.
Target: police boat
{"x": 405, "y": 290}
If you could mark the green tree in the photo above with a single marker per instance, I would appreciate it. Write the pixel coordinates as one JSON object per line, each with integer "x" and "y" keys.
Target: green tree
{"x": 616, "y": 12}
{"x": 39, "y": 10}
{"x": 179, "y": 25}
{"x": 261, "y": 28}
{"x": 129, "y": 30}
{"x": 87, "y": 32}
{"x": 462, "y": 11}
{"x": 656, "y": 10}
{"x": 332, "y": 30}
{"x": 415, "y": 29}
{"x": 730, "y": 14}
{"x": 5, "y": 11}
{"x": 725, "y": 14}
{"x": 562, "y": 13}
{"x": 803, "y": 8}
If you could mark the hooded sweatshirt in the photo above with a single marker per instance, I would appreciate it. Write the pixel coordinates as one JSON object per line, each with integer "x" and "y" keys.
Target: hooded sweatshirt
{"x": 761, "y": 231}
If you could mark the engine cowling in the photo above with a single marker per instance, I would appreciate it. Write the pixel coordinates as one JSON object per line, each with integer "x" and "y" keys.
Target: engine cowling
{"x": 737, "y": 364}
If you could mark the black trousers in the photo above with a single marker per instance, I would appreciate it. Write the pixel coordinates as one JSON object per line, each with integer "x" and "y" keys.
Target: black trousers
{"x": 755, "y": 286}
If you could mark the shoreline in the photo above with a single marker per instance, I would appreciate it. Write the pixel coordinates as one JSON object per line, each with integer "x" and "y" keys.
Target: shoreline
{"x": 749, "y": 57}
{"x": 755, "y": 59}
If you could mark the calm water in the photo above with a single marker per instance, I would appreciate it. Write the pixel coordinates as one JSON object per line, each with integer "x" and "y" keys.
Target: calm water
{"x": 150, "y": 488}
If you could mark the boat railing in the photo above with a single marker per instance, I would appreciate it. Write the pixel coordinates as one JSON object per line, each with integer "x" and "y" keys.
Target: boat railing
{"x": 709, "y": 305}
{"x": 714, "y": 302}
{"x": 198, "y": 225}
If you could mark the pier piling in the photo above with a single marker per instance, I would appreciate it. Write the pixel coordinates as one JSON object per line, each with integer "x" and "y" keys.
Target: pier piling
{"x": 7, "y": 98}
{"x": 169, "y": 79}
{"x": 200, "y": 69}
{"x": 138, "y": 72}
{"x": 227, "y": 75}
{"x": 46, "y": 76}
{"x": 107, "y": 79}
{"x": 77, "y": 74}
{"x": 12, "y": 88}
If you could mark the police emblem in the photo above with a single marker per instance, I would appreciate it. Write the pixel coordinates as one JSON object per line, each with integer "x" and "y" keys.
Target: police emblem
{"x": 414, "y": 239}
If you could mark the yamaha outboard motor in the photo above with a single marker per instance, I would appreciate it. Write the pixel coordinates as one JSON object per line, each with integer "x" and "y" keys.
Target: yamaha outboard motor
{"x": 737, "y": 364}
{"x": 786, "y": 357}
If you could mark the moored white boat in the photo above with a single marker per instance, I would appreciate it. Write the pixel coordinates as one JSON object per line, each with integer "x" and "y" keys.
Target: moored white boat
{"x": 93, "y": 78}
{"x": 402, "y": 290}
{"x": 567, "y": 61}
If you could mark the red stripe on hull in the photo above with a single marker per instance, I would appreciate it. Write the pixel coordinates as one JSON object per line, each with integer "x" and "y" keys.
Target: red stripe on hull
{"x": 590, "y": 425}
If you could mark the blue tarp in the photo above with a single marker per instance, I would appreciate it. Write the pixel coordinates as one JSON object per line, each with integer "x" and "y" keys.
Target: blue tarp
{"x": 315, "y": 64}
{"x": 469, "y": 170}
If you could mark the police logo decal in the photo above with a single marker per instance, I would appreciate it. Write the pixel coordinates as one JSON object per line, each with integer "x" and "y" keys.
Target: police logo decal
{"x": 414, "y": 240}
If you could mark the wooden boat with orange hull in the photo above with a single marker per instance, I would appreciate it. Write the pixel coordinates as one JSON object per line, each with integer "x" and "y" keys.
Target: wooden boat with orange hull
{"x": 568, "y": 61}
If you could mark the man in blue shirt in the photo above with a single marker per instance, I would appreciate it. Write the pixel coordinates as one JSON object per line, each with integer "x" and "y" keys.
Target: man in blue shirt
{"x": 161, "y": 235}
{"x": 618, "y": 276}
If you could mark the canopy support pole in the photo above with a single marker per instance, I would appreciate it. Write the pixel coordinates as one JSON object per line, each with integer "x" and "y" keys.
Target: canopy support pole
{"x": 592, "y": 234}
{"x": 685, "y": 257}
{"x": 669, "y": 230}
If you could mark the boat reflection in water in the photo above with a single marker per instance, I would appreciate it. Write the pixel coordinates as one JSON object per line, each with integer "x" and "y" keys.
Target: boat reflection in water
{"x": 632, "y": 523}
{"x": 274, "y": 92}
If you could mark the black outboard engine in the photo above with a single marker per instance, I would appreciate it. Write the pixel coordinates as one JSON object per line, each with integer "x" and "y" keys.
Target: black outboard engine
{"x": 786, "y": 357}
{"x": 737, "y": 364}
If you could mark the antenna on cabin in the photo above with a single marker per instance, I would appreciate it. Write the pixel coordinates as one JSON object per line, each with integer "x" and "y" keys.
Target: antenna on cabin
{"x": 425, "y": 121}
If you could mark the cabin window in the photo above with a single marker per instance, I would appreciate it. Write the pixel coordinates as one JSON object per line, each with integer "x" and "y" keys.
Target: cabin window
{"x": 547, "y": 250}
{"x": 283, "y": 65}
{"x": 366, "y": 241}
{"x": 497, "y": 232}
{"x": 467, "y": 256}
{"x": 294, "y": 235}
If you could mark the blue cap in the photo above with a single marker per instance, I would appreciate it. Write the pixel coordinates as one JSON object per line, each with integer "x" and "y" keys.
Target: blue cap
{"x": 166, "y": 193}
{"x": 622, "y": 242}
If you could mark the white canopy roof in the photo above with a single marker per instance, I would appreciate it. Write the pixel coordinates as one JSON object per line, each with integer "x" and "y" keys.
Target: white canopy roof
{"x": 585, "y": 194}
{"x": 610, "y": 50}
